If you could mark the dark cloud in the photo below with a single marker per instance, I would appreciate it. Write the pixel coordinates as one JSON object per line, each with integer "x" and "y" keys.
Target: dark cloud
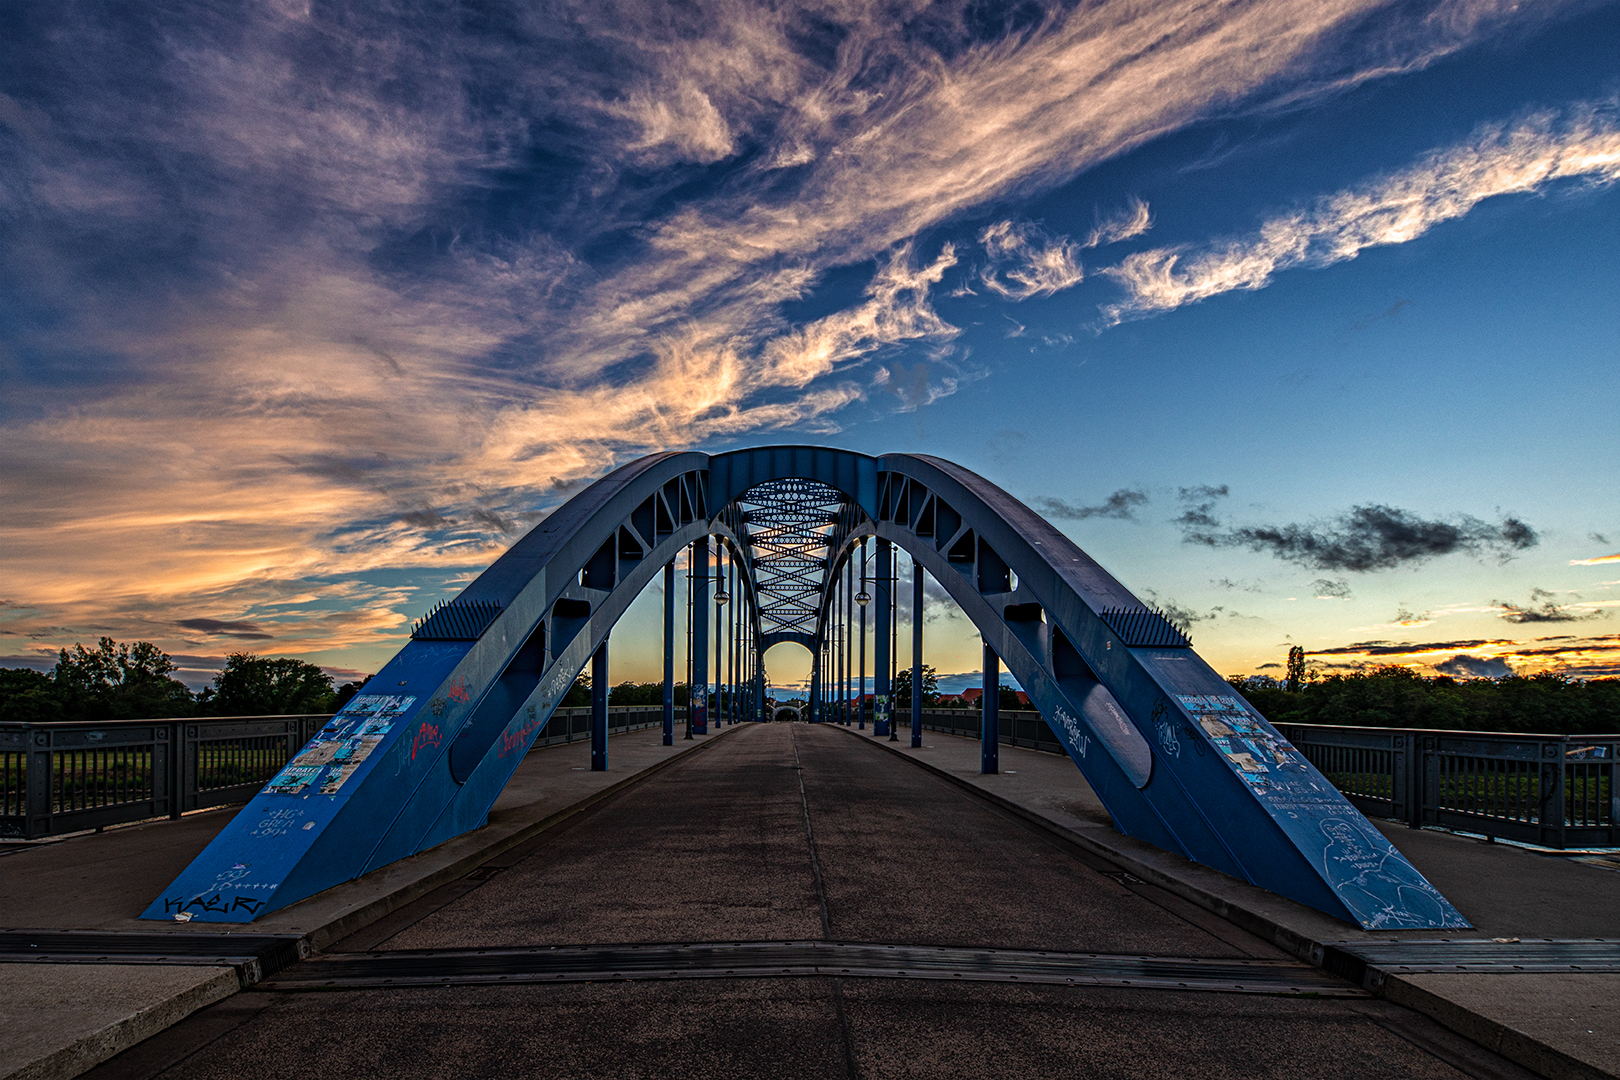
{"x": 492, "y": 519}
{"x": 1542, "y": 609}
{"x": 937, "y": 603}
{"x": 1401, "y": 648}
{"x": 1591, "y": 657}
{"x": 1238, "y": 586}
{"x": 1200, "y": 505}
{"x": 1373, "y": 537}
{"x": 1474, "y": 667}
{"x": 246, "y": 631}
{"x": 425, "y": 519}
{"x": 1121, "y": 504}
{"x": 1325, "y": 589}
{"x": 1590, "y": 644}
{"x": 1597, "y": 538}
{"x": 1181, "y": 618}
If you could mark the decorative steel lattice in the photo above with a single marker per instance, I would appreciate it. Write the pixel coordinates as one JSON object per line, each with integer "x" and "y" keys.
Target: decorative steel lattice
{"x": 787, "y": 525}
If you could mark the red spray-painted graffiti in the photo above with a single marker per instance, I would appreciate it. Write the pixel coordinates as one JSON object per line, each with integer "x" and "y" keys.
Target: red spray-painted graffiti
{"x": 516, "y": 738}
{"x": 458, "y": 689}
{"x": 427, "y": 735}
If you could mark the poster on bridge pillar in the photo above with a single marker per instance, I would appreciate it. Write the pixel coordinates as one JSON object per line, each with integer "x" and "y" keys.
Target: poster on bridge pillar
{"x": 880, "y": 712}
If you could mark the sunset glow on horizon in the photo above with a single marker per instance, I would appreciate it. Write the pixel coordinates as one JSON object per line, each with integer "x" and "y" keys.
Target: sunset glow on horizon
{"x": 1299, "y": 317}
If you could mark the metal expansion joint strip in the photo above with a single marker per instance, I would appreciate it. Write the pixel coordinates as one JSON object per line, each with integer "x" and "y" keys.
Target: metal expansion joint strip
{"x": 449, "y": 967}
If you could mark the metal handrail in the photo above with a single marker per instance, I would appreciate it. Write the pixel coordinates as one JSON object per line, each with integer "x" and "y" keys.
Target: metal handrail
{"x": 69, "y": 776}
{"x": 1503, "y": 785}
{"x": 1555, "y": 791}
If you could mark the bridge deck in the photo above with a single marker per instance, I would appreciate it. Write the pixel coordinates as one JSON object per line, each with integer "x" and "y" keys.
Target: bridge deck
{"x": 801, "y": 835}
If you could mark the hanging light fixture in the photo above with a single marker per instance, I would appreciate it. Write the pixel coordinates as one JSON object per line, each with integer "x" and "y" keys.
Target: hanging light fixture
{"x": 863, "y": 598}
{"x": 721, "y": 597}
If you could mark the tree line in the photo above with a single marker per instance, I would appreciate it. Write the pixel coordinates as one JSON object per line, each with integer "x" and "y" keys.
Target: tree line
{"x": 1394, "y": 696}
{"x": 136, "y": 681}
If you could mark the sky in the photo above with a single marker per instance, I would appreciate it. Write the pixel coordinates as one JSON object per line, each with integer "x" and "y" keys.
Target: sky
{"x": 1299, "y": 316}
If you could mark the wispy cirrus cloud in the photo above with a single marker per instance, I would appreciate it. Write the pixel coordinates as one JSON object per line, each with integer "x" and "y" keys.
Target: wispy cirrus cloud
{"x": 1126, "y": 224}
{"x": 1024, "y": 261}
{"x": 1582, "y": 142}
{"x": 316, "y": 291}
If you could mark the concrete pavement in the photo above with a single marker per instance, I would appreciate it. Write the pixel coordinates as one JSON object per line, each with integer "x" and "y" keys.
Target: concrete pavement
{"x": 787, "y": 831}
{"x": 1556, "y": 1024}
{"x": 61, "y": 1020}
{"x": 792, "y": 832}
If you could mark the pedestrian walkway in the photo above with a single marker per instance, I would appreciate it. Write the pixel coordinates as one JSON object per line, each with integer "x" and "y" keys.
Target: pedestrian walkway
{"x": 797, "y": 900}
{"x": 1557, "y": 1020}
{"x": 61, "y": 1019}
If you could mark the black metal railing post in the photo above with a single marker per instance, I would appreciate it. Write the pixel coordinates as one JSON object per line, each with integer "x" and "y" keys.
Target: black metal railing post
{"x": 38, "y": 821}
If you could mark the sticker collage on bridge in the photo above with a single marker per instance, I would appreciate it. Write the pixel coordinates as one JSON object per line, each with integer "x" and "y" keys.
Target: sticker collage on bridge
{"x": 1241, "y": 736}
{"x": 341, "y": 747}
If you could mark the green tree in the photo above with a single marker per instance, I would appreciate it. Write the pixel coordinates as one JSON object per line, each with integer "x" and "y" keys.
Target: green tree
{"x": 119, "y": 682}
{"x": 1296, "y": 669}
{"x": 28, "y": 697}
{"x": 634, "y": 693}
{"x": 901, "y": 691}
{"x": 347, "y": 691}
{"x": 578, "y": 695}
{"x": 266, "y": 686}
{"x": 1395, "y": 696}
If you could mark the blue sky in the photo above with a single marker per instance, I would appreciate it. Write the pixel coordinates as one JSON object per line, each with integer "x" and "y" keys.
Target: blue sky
{"x": 1300, "y": 317}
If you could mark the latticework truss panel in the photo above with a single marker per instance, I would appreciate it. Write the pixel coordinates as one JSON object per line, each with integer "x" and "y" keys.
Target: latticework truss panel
{"x": 787, "y": 524}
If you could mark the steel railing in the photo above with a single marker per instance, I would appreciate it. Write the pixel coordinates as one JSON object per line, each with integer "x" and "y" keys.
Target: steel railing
{"x": 1556, "y": 791}
{"x": 66, "y": 777}
{"x": 1019, "y": 727}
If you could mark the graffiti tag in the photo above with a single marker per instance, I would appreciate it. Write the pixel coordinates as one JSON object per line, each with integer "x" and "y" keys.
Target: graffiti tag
{"x": 1077, "y": 736}
{"x": 428, "y": 735}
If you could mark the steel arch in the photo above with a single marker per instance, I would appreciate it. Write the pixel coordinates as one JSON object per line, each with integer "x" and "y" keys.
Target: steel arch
{"x": 1177, "y": 758}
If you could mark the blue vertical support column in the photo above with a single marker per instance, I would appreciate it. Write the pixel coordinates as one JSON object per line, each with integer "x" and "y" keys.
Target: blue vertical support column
{"x": 849, "y": 640}
{"x": 990, "y": 731}
{"x": 916, "y": 654}
{"x": 733, "y": 651}
{"x": 860, "y": 690}
{"x": 882, "y": 595}
{"x": 719, "y": 635}
{"x": 669, "y": 653}
{"x": 835, "y": 651}
{"x": 700, "y": 637}
{"x": 816, "y": 704}
{"x": 599, "y": 707}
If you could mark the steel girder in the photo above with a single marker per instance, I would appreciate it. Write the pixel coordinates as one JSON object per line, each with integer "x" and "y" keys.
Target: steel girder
{"x": 1178, "y": 759}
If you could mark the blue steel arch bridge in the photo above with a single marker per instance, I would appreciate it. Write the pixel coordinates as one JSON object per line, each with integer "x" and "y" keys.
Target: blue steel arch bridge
{"x": 777, "y": 540}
